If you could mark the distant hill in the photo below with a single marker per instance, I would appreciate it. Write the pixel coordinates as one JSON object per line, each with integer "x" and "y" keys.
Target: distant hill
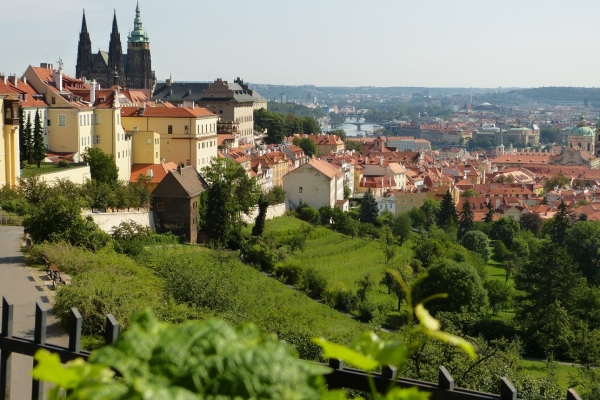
{"x": 557, "y": 94}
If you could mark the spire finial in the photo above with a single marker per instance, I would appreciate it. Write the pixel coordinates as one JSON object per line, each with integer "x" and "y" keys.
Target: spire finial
{"x": 115, "y": 27}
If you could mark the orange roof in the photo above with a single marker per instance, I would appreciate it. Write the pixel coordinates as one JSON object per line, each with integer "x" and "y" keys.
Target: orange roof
{"x": 177, "y": 112}
{"x": 159, "y": 171}
{"x": 6, "y": 88}
{"x": 30, "y": 98}
{"x": 326, "y": 168}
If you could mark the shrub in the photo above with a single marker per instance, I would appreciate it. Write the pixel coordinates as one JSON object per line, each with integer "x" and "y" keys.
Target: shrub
{"x": 309, "y": 214}
{"x": 289, "y": 272}
{"x": 261, "y": 256}
{"x": 368, "y": 230}
{"x": 63, "y": 164}
{"x": 339, "y": 297}
{"x": 477, "y": 241}
{"x": 313, "y": 282}
{"x": 366, "y": 311}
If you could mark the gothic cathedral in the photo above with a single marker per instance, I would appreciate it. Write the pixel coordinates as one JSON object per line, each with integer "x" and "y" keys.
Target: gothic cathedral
{"x": 132, "y": 70}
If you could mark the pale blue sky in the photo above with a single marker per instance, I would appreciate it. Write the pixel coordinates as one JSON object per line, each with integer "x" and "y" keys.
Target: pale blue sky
{"x": 467, "y": 43}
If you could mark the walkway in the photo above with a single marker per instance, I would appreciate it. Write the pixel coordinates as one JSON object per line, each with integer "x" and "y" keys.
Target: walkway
{"x": 21, "y": 289}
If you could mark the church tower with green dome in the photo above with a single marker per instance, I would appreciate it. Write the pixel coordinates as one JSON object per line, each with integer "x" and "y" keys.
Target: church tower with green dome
{"x": 583, "y": 137}
{"x": 139, "y": 63}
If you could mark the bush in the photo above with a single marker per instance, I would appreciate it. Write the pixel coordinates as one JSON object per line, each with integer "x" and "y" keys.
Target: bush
{"x": 261, "y": 256}
{"x": 340, "y": 298}
{"x": 313, "y": 282}
{"x": 366, "y": 311}
{"x": 289, "y": 272}
{"x": 63, "y": 164}
{"x": 276, "y": 196}
{"x": 368, "y": 230}
{"x": 309, "y": 214}
{"x": 477, "y": 241}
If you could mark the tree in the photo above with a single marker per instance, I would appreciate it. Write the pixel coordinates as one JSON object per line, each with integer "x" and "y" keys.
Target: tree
{"x": 388, "y": 245}
{"x": 447, "y": 216}
{"x": 559, "y": 180}
{"x": 466, "y": 219}
{"x": 431, "y": 210}
{"x": 259, "y": 222}
{"x": 505, "y": 230}
{"x": 37, "y": 151}
{"x": 365, "y": 284}
{"x": 469, "y": 193}
{"x": 368, "y": 208}
{"x": 310, "y": 125}
{"x": 102, "y": 166}
{"x": 272, "y": 122}
{"x": 477, "y": 242}
{"x": 230, "y": 193}
{"x": 499, "y": 293}
{"x": 561, "y": 222}
{"x": 24, "y": 140}
{"x": 459, "y": 280}
{"x": 306, "y": 144}
{"x": 355, "y": 145}
{"x": 27, "y": 136}
{"x": 504, "y": 179}
{"x": 340, "y": 133}
{"x": 401, "y": 227}
{"x": 550, "y": 282}
{"x": 489, "y": 215}
{"x": 583, "y": 244}
{"x": 531, "y": 222}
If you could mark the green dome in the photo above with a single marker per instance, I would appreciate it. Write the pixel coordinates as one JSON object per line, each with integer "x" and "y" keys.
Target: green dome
{"x": 582, "y": 129}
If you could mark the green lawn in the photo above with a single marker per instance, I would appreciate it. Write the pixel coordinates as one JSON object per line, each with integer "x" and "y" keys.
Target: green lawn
{"x": 46, "y": 168}
{"x": 539, "y": 369}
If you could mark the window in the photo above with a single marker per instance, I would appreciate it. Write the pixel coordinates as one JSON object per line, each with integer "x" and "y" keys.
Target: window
{"x": 49, "y": 121}
{"x": 160, "y": 207}
{"x": 157, "y": 154}
{"x": 62, "y": 120}
{"x": 97, "y": 119}
{"x": 300, "y": 189}
{"x": 186, "y": 129}
{"x": 170, "y": 129}
{"x": 97, "y": 139}
{"x": 53, "y": 100}
{"x": 80, "y": 120}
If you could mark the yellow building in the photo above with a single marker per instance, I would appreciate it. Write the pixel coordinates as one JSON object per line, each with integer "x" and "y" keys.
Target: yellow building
{"x": 145, "y": 147}
{"x": 9, "y": 129}
{"x": 188, "y": 136}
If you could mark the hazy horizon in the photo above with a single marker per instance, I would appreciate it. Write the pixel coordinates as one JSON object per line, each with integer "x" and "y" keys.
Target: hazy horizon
{"x": 385, "y": 43}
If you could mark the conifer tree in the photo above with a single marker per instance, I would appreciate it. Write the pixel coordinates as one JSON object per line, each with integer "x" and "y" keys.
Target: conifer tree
{"x": 561, "y": 223}
{"x": 466, "y": 221}
{"x": 37, "y": 150}
{"x": 368, "y": 209}
{"x": 22, "y": 138}
{"x": 489, "y": 215}
{"x": 448, "y": 215}
{"x": 27, "y": 138}
{"x": 259, "y": 222}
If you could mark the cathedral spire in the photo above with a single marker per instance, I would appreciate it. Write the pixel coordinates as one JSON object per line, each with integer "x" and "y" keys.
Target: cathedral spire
{"x": 138, "y": 34}
{"x": 83, "y": 23}
{"x": 115, "y": 27}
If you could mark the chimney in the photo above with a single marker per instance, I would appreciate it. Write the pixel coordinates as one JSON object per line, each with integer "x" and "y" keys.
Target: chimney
{"x": 57, "y": 79}
{"x": 170, "y": 80}
{"x": 13, "y": 79}
{"x": 93, "y": 92}
{"x": 5, "y": 78}
{"x": 25, "y": 80}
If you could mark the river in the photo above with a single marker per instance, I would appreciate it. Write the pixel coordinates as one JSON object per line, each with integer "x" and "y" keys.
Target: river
{"x": 352, "y": 130}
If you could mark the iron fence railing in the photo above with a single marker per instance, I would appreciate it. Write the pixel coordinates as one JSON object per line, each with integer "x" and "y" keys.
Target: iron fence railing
{"x": 340, "y": 377}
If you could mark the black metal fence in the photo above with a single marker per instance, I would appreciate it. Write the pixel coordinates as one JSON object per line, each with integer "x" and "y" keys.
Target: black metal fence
{"x": 341, "y": 377}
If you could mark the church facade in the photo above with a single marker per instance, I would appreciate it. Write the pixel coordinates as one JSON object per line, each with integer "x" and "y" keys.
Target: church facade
{"x": 132, "y": 70}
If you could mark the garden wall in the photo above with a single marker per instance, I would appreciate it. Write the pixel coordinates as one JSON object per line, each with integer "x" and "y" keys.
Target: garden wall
{"x": 75, "y": 174}
{"x": 273, "y": 211}
{"x": 106, "y": 221}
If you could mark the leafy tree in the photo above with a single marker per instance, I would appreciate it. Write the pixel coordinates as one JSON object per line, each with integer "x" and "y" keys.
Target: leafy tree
{"x": 310, "y": 125}
{"x": 293, "y": 125}
{"x": 559, "y": 180}
{"x": 259, "y": 222}
{"x": 561, "y": 222}
{"x": 489, "y": 215}
{"x": 309, "y": 214}
{"x": 355, "y": 145}
{"x": 504, "y": 179}
{"x": 531, "y": 222}
{"x": 272, "y": 122}
{"x": 459, "y": 280}
{"x": 583, "y": 244}
{"x": 368, "y": 208}
{"x": 466, "y": 221}
{"x": 276, "y": 195}
{"x": 306, "y": 144}
{"x": 401, "y": 227}
{"x": 37, "y": 151}
{"x": 365, "y": 285}
{"x": 469, "y": 193}
{"x": 447, "y": 216}
{"x": 340, "y": 133}
{"x": 388, "y": 245}
{"x": 230, "y": 193}
{"x": 477, "y": 241}
{"x": 102, "y": 166}
{"x": 499, "y": 293}
{"x": 431, "y": 209}
{"x": 505, "y": 229}
{"x": 427, "y": 250}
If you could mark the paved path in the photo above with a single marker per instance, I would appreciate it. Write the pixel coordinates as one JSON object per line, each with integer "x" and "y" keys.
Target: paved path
{"x": 23, "y": 290}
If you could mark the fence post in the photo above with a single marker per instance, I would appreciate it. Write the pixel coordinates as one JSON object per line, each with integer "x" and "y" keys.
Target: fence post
{"x": 572, "y": 395}
{"x": 445, "y": 380}
{"x": 334, "y": 363}
{"x": 7, "y": 332}
{"x": 507, "y": 390}
{"x": 389, "y": 372}
{"x": 39, "y": 337}
{"x": 75, "y": 331}
{"x": 111, "y": 329}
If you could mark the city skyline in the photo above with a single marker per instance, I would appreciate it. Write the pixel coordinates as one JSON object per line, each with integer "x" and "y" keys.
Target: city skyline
{"x": 333, "y": 43}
